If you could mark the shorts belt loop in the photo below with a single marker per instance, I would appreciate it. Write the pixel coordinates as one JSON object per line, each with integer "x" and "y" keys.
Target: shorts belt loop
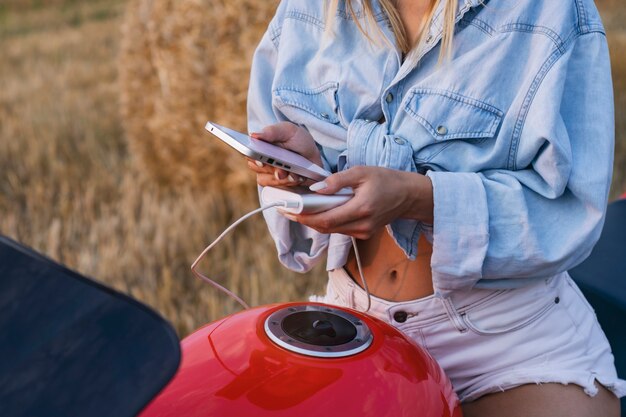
{"x": 452, "y": 314}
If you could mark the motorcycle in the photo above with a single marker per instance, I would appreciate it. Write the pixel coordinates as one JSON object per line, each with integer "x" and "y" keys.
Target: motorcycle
{"x": 71, "y": 346}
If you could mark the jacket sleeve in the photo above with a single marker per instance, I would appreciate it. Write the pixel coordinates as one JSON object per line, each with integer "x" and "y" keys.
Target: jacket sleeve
{"x": 545, "y": 214}
{"x": 299, "y": 247}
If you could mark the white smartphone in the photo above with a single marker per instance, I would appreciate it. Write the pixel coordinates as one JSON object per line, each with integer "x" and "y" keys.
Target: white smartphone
{"x": 268, "y": 153}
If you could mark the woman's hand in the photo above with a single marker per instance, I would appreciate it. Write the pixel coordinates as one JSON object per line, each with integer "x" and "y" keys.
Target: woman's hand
{"x": 381, "y": 195}
{"x": 289, "y": 136}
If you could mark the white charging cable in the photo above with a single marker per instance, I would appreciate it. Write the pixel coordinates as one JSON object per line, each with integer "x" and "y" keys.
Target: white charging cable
{"x": 283, "y": 204}
{"x": 360, "y": 268}
{"x": 217, "y": 240}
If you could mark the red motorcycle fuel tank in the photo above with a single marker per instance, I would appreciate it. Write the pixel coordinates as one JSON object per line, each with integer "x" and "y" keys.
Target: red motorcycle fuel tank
{"x": 304, "y": 359}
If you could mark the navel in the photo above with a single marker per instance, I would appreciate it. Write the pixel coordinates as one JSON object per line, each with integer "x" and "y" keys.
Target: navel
{"x": 393, "y": 275}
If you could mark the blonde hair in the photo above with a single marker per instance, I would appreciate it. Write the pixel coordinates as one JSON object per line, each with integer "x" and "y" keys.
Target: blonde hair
{"x": 390, "y": 9}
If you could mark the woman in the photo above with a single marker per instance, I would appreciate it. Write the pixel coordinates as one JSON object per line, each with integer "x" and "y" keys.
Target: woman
{"x": 478, "y": 141}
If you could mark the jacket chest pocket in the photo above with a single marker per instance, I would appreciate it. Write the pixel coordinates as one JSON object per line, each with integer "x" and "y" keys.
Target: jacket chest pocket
{"x": 451, "y": 118}
{"x": 309, "y": 105}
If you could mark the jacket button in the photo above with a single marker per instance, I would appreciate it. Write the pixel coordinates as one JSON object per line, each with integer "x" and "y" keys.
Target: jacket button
{"x": 400, "y": 316}
{"x": 389, "y": 98}
{"x": 442, "y": 130}
{"x": 399, "y": 141}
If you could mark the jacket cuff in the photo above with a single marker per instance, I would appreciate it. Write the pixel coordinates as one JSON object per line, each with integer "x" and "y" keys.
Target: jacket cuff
{"x": 460, "y": 230}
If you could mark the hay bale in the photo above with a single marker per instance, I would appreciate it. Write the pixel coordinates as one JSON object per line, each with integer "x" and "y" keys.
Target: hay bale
{"x": 184, "y": 62}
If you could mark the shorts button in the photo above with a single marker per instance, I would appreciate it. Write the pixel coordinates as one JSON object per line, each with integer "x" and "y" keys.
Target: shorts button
{"x": 400, "y": 316}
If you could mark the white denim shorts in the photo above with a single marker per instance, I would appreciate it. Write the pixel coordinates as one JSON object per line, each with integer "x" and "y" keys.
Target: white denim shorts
{"x": 493, "y": 340}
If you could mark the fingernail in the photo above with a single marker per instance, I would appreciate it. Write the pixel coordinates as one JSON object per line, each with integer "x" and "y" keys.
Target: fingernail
{"x": 291, "y": 178}
{"x": 276, "y": 175}
{"x": 259, "y": 164}
{"x": 290, "y": 217}
{"x": 318, "y": 186}
{"x": 300, "y": 179}
{"x": 254, "y": 134}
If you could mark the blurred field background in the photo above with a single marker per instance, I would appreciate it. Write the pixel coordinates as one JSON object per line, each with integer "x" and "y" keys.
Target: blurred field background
{"x": 104, "y": 165}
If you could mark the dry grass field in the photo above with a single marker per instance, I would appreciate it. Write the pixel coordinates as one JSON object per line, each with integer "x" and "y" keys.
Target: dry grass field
{"x": 69, "y": 186}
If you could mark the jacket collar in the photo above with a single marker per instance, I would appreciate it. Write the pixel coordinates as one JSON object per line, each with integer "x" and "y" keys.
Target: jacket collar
{"x": 475, "y": 3}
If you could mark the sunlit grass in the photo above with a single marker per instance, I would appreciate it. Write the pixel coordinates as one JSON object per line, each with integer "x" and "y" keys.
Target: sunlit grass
{"x": 70, "y": 190}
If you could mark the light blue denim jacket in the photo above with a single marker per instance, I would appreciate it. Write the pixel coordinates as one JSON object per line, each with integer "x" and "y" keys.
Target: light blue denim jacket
{"x": 516, "y": 131}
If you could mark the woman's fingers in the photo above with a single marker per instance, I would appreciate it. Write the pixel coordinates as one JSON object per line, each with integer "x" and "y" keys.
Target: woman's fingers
{"x": 273, "y": 180}
{"x": 349, "y": 178}
{"x": 269, "y": 180}
{"x": 280, "y": 174}
{"x": 259, "y": 167}
{"x": 381, "y": 195}
{"x": 292, "y": 137}
{"x": 275, "y": 176}
{"x": 286, "y": 177}
{"x": 350, "y": 218}
{"x": 276, "y": 133}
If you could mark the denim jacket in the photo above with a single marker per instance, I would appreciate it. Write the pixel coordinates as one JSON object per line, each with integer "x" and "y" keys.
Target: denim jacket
{"x": 515, "y": 131}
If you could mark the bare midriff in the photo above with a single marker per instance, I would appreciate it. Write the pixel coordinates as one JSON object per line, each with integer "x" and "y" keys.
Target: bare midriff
{"x": 389, "y": 274}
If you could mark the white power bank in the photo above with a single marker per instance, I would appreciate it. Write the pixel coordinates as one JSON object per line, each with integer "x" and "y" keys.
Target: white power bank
{"x": 268, "y": 153}
{"x": 301, "y": 200}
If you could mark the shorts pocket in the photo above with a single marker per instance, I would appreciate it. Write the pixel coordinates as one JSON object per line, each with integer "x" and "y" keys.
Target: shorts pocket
{"x": 510, "y": 311}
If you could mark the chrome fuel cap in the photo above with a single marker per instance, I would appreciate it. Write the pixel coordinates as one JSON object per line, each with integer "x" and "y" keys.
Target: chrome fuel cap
{"x": 318, "y": 330}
